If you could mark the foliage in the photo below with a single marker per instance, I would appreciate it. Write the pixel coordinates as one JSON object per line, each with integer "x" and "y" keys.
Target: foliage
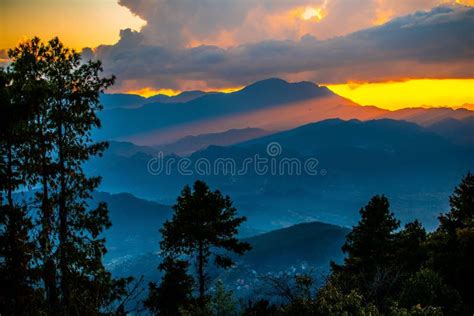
{"x": 17, "y": 249}
{"x": 415, "y": 311}
{"x": 222, "y": 302}
{"x": 260, "y": 308}
{"x": 370, "y": 248}
{"x": 371, "y": 242}
{"x": 331, "y": 301}
{"x": 387, "y": 270}
{"x": 203, "y": 223}
{"x": 425, "y": 288}
{"x": 411, "y": 252}
{"x": 291, "y": 289}
{"x": 451, "y": 246}
{"x": 174, "y": 291}
{"x": 420, "y": 272}
{"x": 51, "y": 105}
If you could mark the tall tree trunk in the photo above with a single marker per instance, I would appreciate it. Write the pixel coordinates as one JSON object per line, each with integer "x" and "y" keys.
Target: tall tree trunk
{"x": 63, "y": 222}
{"x": 49, "y": 267}
{"x": 63, "y": 229}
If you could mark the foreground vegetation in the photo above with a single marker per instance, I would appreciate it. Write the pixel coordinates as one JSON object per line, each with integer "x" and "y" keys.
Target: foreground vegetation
{"x": 50, "y": 244}
{"x": 51, "y": 247}
{"x": 387, "y": 270}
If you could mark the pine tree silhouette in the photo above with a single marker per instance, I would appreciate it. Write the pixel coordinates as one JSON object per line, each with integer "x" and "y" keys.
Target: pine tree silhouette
{"x": 204, "y": 223}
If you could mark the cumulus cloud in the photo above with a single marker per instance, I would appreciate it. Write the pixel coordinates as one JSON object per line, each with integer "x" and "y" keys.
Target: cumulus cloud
{"x": 233, "y": 22}
{"x": 433, "y": 43}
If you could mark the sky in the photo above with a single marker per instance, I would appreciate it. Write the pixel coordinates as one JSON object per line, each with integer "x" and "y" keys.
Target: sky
{"x": 78, "y": 23}
{"x": 389, "y": 53}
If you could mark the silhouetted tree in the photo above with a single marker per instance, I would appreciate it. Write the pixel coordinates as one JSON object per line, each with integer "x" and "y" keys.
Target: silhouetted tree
{"x": 222, "y": 301}
{"x": 332, "y": 301}
{"x": 29, "y": 88}
{"x": 461, "y": 201}
{"x": 19, "y": 292}
{"x": 370, "y": 249}
{"x": 426, "y": 288}
{"x": 175, "y": 290}
{"x": 451, "y": 246}
{"x": 410, "y": 252}
{"x": 73, "y": 104}
{"x": 371, "y": 241}
{"x": 204, "y": 223}
{"x": 61, "y": 94}
{"x": 296, "y": 291}
{"x": 260, "y": 308}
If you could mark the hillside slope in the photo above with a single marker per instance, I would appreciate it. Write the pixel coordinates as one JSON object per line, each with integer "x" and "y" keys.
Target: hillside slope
{"x": 355, "y": 161}
{"x": 315, "y": 243}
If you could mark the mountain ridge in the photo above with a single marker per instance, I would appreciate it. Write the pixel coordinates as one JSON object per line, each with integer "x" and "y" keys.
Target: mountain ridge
{"x": 360, "y": 159}
{"x": 271, "y": 104}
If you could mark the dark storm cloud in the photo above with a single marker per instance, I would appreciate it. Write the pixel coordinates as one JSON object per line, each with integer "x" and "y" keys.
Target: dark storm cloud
{"x": 436, "y": 43}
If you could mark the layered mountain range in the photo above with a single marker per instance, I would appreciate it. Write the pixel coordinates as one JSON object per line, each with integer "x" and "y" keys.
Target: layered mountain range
{"x": 415, "y": 156}
{"x": 271, "y": 104}
{"x": 359, "y": 151}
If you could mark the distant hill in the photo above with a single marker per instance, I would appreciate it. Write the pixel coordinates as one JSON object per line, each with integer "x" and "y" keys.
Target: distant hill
{"x": 458, "y": 131}
{"x": 384, "y": 136}
{"x": 184, "y": 96}
{"x": 190, "y": 144}
{"x": 135, "y": 224}
{"x": 123, "y": 100}
{"x": 315, "y": 243}
{"x": 427, "y": 116}
{"x": 128, "y": 149}
{"x": 415, "y": 167}
{"x": 271, "y": 104}
{"x": 159, "y": 123}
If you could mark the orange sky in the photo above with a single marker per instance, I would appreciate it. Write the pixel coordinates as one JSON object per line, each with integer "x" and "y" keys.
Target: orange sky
{"x": 149, "y": 92}
{"x": 392, "y": 95}
{"x": 78, "y": 23}
{"x": 89, "y": 23}
{"x": 411, "y": 93}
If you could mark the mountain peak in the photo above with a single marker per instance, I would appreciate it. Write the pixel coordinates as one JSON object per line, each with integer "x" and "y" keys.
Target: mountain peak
{"x": 276, "y": 83}
{"x": 269, "y": 81}
{"x": 283, "y": 89}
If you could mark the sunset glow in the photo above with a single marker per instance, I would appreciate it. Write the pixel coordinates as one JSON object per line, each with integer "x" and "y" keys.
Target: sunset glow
{"x": 310, "y": 13}
{"x": 78, "y": 23}
{"x": 151, "y": 50}
{"x": 388, "y": 95}
{"x": 228, "y": 90}
{"x": 411, "y": 93}
{"x": 465, "y": 2}
{"x": 149, "y": 92}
